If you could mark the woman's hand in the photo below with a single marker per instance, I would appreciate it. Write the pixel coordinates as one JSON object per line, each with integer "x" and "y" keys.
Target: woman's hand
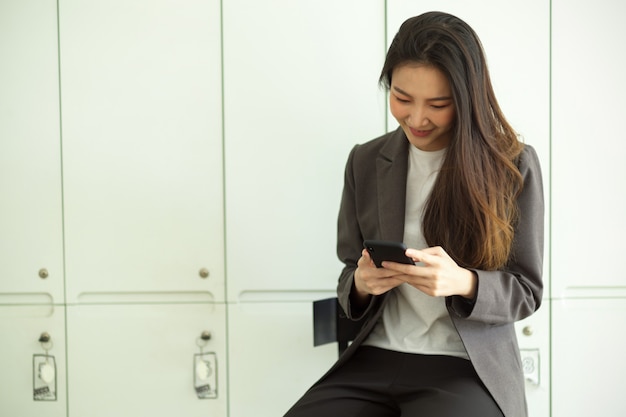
{"x": 439, "y": 276}
{"x": 369, "y": 280}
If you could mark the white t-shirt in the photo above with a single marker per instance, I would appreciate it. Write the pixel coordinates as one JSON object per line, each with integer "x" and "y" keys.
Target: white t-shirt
{"x": 414, "y": 322}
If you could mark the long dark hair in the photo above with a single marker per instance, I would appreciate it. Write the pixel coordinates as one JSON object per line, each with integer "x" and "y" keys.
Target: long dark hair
{"x": 472, "y": 209}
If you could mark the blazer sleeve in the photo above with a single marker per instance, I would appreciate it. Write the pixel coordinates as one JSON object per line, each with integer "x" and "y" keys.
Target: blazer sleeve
{"x": 349, "y": 241}
{"x": 515, "y": 292}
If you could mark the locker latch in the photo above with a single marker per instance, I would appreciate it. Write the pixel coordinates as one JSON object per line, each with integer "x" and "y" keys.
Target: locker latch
{"x": 44, "y": 372}
{"x": 205, "y": 369}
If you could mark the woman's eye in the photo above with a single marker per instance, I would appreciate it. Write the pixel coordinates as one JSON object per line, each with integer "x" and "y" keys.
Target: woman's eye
{"x": 402, "y": 100}
{"x": 439, "y": 106}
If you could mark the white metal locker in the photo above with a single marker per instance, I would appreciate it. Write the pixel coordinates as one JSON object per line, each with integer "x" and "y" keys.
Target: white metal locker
{"x": 140, "y": 359}
{"x": 142, "y": 149}
{"x": 31, "y": 240}
{"x": 272, "y": 358}
{"x": 588, "y": 364}
{"x": 300, "y": 89}
{"x": 589, "y": 201}
{"x": 33, "y": 379}
{"x": 589, "y": 193}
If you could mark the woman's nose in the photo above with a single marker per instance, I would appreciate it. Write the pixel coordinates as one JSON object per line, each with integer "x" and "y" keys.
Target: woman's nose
{"x": 418, "y": 117}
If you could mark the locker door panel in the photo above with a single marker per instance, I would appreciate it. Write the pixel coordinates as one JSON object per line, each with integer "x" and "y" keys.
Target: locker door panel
{"x": 588, "y": 364}
{"x": 272, "y": 358}
{"x": 588, "y": 87}
{"x": 142, "y": 148}
{"x": 130, "y": 360}
{"x": 300, "y": 91}
{"x": 21, "y": 328}
{"x": 30, "y": 158}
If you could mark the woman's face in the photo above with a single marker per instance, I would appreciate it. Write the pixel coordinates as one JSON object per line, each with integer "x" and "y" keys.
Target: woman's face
{"x": 420, "y": 99}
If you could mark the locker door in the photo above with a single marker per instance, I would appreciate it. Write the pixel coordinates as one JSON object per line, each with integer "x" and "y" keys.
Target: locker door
{"x": 589, "y": 171}
{"x": 273, "y": 361}
{"x": 141, "y": 87}
{"x": 300, "y": 91}
{"x": 31, "y": 241}
{"x": 588, "y": 365}
{"x": 140, "y": 360}
{"x": 589, "y": 284}
{"x": 33, "y": 378}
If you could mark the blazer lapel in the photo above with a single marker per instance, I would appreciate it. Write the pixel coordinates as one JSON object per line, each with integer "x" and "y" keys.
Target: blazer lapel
{"x": 391, "y": 172}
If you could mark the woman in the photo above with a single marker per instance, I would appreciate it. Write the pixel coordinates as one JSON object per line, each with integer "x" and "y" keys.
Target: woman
{"x": 454, "y": 180}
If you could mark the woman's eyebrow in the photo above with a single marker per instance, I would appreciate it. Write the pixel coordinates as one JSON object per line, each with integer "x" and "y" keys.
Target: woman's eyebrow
{"x": 442, "y": 98}
{"x": 439, "y": 98}
{"x": 401, "y": 91}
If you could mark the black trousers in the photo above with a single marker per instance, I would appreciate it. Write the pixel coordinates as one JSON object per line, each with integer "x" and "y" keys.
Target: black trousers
{"x": 381, "y": 383}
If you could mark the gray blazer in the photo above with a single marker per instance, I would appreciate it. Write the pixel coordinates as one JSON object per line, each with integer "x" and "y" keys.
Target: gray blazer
{"x": 372, "y": 207}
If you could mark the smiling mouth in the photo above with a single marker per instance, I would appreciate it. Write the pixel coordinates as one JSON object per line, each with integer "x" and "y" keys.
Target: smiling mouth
{"x": 420, "y": 133}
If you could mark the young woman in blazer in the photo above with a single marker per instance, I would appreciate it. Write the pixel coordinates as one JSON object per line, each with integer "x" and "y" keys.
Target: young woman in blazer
{"x": 456, "y": 185}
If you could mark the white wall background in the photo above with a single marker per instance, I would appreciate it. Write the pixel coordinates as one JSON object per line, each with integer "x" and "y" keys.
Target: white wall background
{"x": 169, "y": 168}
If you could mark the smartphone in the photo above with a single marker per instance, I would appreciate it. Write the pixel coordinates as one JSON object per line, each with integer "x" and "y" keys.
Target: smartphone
{"x": 383, "y": 250}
